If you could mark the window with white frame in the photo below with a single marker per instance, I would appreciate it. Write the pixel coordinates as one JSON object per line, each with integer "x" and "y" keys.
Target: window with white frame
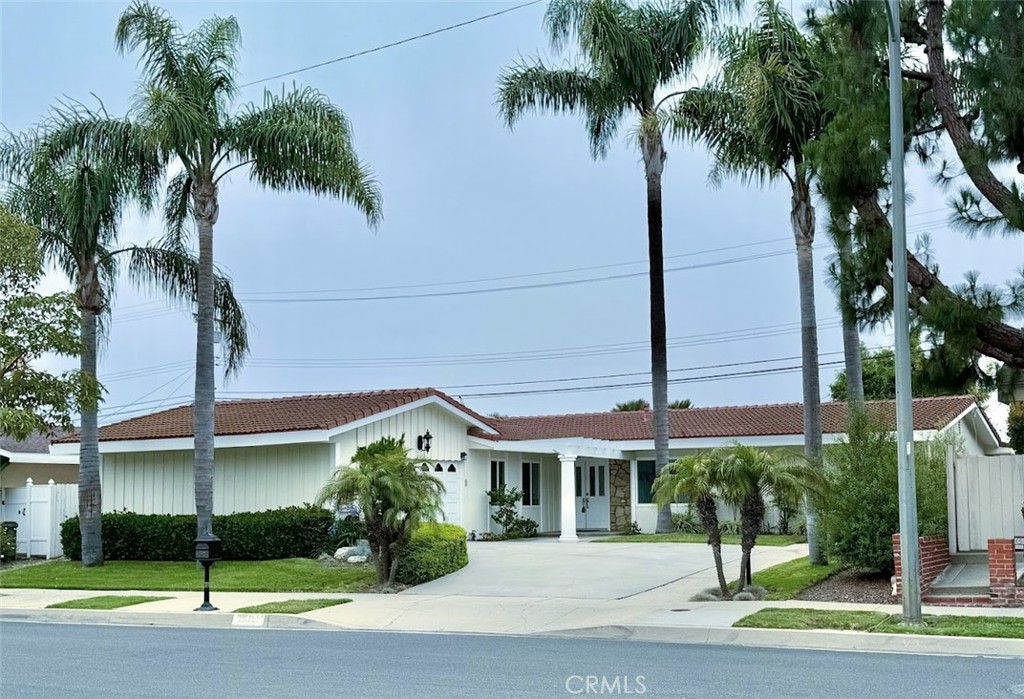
{"x": 531, "y": 483}
{"x": 497, "y": 474}
{"x": 644, "y": 481}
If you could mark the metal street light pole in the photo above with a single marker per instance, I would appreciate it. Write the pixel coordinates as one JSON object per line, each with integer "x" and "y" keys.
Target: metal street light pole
{"x": 909, "y": 554}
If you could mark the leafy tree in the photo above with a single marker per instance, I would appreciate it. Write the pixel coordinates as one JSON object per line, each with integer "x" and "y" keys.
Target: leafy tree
{"x": 696, "y": 479}
{"x": 861, "y": 512}
{"x": 295, "y": 141}
{"x": 1015, "y": 426}
{"x": 747, "y": 476}
{"x": 394, "y": 496}
{"x": 33, "y": 326}
{"x": 631, "y": 406}
{"x": 627, "y": 55}
{"x": 931, "y": 376}
{"x": 757, "y": 118}
{"x": 974, "y": 98}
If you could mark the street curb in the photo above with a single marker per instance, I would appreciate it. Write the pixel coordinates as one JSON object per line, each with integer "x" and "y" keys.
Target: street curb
{"x": 212, "y": 620}
{"x": 811, "y": 640}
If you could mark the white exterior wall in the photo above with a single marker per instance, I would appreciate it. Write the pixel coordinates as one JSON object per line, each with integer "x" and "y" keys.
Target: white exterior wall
{"x": 476, "y": 481}
{"x": 448, "y": 433}
{"x": 245, "y": 479}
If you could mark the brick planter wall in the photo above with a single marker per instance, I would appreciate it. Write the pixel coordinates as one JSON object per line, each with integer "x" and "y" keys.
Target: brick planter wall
{"x": 934, "y": 557}
{"x": 1002, "y": 574}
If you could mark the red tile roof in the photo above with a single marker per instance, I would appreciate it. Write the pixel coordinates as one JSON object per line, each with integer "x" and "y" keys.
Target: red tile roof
{"x": 325, "y": 412}
{"x": 263, "y": 415}
{"x": 723, "y": 422}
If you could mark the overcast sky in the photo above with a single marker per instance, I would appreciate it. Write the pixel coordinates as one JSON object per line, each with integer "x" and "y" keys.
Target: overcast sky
{"x": 464, "y": 200}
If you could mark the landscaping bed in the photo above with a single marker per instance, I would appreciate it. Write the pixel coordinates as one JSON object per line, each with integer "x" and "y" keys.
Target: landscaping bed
{"x": 851, "y": 586}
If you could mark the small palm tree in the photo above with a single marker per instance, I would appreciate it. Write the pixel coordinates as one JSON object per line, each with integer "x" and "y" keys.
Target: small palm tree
{"x": 76, "y": 201}
{"x": 295, "y": 141}
{"x": 394, "y": 496}
{"x": 696, "y": 479}
{"x": 632, "y": 406}
{"x": 748, "y": 476}
{"x": 757, "y": 118}
{"x": 681, "y": 404}
{"x": 630, "y": 53}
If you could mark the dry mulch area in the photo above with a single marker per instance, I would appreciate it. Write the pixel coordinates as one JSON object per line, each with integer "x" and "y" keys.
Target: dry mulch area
{"x": 851, "y": 586}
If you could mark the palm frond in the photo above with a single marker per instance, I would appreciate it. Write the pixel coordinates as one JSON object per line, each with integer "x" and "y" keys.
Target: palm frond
{"x": 301, "y": 141}
{"x": 178, "y": 212}
{"x": 175, "y": 272}
{"x": 677, "y": 32}
{"x": 533, "y": 87}
{"x": 153, "y": 30}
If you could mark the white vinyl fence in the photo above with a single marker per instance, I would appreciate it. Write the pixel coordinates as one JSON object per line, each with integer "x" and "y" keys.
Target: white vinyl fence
{"x": 985, "y": 498}
{"x": 39, "y": 511}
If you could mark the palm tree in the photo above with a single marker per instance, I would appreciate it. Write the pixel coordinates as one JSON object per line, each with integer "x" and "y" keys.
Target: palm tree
{"x": 76, "y": 201}
{"x": 747, "y": 476}
{"x": 632, "y": 406}
{"x": 629, "y": 54}
{"x": 295, "y": 141}
{"x": 696, "y": 479}
{"x": 757, "y": 118}
{"x": 681, "y": 404}
{"x": 395, "y": 497}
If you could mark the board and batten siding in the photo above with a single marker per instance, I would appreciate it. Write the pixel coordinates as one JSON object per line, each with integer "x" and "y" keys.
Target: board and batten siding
{"x": 245, "y": 479}
{"x": 448, "y": 435}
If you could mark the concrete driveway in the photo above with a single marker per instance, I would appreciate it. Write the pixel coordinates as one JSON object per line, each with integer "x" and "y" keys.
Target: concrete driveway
{"x": 587, "y": 569}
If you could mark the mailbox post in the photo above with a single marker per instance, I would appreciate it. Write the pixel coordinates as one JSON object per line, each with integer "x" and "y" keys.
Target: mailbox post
{"x": 208, "y": 551}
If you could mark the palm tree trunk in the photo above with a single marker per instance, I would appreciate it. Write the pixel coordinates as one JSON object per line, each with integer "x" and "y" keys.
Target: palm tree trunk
{"x": 751, "y": 516}
{"x": 90, "y": 504}
{"x": 654, "y": 163}
{"x": 802, "y": 219}
{"x": 851, "y": 330}
{"x": 206, "y": 209}
{"x": 707, "y": 510}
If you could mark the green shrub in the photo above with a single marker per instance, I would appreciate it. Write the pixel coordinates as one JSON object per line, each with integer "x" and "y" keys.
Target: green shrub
{"x": 8, "y": 545}
{"x": 522, "y": 528}
{"x": 861, "y": 512}
{"x": 632, "y": 529}
{"x": 290, "y": 532}
{"x": 687, "y": 522}
{"x": 435, "y": 550}
{"x": 1016, "y": 427}
{"x": 730, "y": 526}
{"x": 345, "y": 532}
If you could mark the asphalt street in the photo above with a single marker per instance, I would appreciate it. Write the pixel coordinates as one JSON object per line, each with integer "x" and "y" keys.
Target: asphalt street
{"x": 54, "y": 661}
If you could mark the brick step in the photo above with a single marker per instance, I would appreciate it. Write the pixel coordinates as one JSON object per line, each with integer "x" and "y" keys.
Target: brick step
{"x": 958, "y": 591}
{"x": 963, "y": 601}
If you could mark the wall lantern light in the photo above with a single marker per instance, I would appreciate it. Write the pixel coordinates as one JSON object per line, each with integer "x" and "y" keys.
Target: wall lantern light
{"x": 423, "y": 441}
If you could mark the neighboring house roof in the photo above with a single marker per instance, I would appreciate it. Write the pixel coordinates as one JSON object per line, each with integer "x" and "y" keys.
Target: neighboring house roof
{"x": 723, "y": 422}
{"x": 36, "y": 443}
{"x": 270, "y": 415}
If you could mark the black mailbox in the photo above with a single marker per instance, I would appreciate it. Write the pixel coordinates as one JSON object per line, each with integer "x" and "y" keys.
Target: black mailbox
{"x": 208, "y": 548}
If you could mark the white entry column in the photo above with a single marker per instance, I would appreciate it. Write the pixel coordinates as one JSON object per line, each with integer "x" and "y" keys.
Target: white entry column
{"x": 568, "y": 466}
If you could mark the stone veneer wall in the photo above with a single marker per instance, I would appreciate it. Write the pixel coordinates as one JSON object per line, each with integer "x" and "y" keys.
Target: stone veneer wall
{"x": 620, "y": 497}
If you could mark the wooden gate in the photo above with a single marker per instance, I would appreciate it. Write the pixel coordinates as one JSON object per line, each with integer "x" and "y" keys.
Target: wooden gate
{"x": 985, "y": 498}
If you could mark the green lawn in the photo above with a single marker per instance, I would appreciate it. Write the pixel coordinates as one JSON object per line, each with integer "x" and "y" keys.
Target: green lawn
{"x": 291, "y": 606}
{"x": 680, "y": 538}
{"x": 289, "y": 575}
{"x": 988, "y": 627}
{"x": 105, "y": 602}
{"x": 787, "y": 580}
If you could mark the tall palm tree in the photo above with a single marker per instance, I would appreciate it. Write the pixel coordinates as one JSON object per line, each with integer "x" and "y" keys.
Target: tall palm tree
{"x": 76, "y": 201}
{"x": 747, "y": 476}
{"x": 757, "y": 118}
{"x": 696, "y": 479}
{"x": 629, "y": 54}
{"x": 295, "y": 141}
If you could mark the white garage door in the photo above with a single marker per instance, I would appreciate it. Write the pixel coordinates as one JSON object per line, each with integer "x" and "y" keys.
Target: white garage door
{"x": 450, "y": 474}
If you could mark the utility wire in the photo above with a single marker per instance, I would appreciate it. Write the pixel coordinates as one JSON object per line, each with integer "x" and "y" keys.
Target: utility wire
{"x": 392, "y": 44}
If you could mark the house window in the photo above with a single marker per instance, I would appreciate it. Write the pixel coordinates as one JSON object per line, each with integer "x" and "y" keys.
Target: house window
{"x": 531, "y": 483}
{"x": 497, "y": 474}
{"x": 644, "y": 481}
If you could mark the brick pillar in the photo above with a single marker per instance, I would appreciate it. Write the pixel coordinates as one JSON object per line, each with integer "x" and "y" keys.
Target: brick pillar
{"x": 1002, "y": 574}
{"x": 934, "y": 557}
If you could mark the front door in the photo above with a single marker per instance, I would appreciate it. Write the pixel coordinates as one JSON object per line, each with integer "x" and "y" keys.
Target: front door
{"x": 592, "y": 495}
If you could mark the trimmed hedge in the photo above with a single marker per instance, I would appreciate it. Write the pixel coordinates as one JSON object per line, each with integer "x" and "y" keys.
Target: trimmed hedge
{"x": 290, "y": 532}
{"x": 435, "y": 550}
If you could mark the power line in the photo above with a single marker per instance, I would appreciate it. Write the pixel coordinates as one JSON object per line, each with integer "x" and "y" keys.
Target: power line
{"x": 392, "y": 44}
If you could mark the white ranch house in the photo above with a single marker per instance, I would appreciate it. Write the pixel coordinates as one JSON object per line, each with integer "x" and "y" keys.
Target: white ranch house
{"x": 579, "y": 472}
